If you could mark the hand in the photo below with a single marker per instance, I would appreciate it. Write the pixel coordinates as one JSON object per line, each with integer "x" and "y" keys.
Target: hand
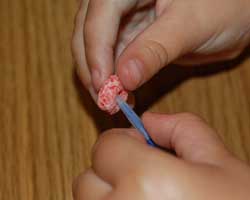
{"x": 124, "y": 167}
{"x": 136, "y": 38}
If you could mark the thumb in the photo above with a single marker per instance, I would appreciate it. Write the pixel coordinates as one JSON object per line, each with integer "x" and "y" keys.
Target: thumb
{"x": 190, "y": 137}
{"x": 173, "y": 34}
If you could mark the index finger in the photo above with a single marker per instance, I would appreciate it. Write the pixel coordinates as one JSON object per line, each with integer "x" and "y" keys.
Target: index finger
{"x": 100, "y": 32}
{"x": 100, "y": 35}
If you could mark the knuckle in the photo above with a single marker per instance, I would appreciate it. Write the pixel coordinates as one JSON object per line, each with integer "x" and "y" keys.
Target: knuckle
{"x": 158, "y": 52}
{"x": 186, "y": 121}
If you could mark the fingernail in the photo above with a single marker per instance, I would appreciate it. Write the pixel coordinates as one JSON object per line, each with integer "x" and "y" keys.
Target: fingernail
{"x": 134, "y": 68}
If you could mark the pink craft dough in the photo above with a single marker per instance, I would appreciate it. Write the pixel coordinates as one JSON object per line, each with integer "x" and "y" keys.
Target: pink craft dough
{"x": 108, "y": 92}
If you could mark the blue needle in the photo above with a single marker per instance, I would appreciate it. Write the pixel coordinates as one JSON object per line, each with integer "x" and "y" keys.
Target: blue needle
{"x": 134, "y": 120}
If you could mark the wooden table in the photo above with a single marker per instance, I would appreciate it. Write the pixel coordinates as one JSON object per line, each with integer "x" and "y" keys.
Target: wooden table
{"x": 48, "y": 123}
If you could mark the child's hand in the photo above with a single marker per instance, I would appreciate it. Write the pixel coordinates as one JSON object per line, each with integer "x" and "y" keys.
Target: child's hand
{"x": 124, "y": 167}
{"x": 142, "y": 36}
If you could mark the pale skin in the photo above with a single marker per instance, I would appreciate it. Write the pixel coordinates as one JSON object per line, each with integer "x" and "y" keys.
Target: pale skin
{"x": 124, "y": 167}
{"x": 135, "y": 39}
{"x": 154, "y": 34}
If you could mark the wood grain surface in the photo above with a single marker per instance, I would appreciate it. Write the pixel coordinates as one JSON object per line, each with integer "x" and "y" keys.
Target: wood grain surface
{"x": 48, "y": 123}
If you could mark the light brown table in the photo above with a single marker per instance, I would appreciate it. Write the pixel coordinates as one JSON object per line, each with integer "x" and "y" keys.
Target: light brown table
{"x": 48, "y": 123}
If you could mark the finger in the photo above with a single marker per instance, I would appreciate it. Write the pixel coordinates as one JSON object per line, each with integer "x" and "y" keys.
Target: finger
{"x": 90, "y": 187}
{"x": 131, "y": 28}
{"x": 118, "y": 155}
{"x": 78, "y": 50}
{"x": 190, "y": 137}
{"x": 169, "y": 37}
{"x": 101, "y": 29}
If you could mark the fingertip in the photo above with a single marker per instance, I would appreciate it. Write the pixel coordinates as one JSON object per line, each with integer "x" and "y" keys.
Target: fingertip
{"x": 97, "y": 79}
{"x": 101, "y": 68}
{"x": 130, "y": 73}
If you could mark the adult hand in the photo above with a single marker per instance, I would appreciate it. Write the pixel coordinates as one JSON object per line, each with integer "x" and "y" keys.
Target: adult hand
{"x": 124, "y": 167}
{"x": 136, "y": 38}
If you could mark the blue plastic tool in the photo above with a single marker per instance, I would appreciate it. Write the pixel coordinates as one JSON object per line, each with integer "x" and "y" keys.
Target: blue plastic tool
{"x": 134, "y": 120}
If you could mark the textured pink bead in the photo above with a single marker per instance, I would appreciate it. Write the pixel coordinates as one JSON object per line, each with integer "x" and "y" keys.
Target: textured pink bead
{"x": 108, "y": 92}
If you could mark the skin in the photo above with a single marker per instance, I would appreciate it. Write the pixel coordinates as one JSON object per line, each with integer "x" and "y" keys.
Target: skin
{"x": 136, "y": 38}
{"x": 124, "y": 167}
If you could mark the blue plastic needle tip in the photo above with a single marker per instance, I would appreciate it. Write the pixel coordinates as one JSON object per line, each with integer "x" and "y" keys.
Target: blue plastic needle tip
{"x": 134, "y": 120}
